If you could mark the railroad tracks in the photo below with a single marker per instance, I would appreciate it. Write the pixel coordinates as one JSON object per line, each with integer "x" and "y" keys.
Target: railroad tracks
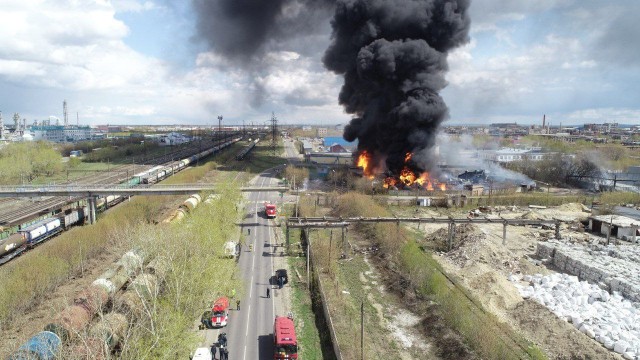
{"x": 14, "y": 211}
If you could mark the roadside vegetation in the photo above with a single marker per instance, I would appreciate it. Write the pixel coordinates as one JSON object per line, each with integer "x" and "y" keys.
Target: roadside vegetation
{"x": 196, "y": 276}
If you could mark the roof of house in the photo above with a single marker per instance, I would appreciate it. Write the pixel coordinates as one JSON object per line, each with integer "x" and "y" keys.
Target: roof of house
{"x": 617, "y": 220}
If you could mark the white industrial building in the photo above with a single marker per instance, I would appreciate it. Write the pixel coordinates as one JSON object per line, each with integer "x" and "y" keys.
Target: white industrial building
{"x": 172, "y": 139}
{"x": 506, "y": 155}
{"x": 58, "y": 133}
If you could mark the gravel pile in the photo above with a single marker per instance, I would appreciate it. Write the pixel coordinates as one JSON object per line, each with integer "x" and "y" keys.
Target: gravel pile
{"x": 611, "y": 320}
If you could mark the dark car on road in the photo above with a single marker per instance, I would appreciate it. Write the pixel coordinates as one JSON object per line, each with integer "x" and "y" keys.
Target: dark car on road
{"x": 282, "y": 273}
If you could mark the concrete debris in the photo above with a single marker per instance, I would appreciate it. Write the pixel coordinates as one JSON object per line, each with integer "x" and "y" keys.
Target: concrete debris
{"x": 611, "y": 320}
{"x": 617, "y": 267}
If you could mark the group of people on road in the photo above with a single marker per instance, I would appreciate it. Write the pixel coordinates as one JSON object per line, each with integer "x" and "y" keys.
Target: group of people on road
{"x": 222, "y": 343}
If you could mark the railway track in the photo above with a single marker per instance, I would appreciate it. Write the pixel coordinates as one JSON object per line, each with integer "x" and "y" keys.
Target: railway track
{"x": 22, "y": 210}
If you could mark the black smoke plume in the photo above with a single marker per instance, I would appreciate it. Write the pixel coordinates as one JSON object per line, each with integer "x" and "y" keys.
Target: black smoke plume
{"x": 243, "y": 30}
{"x": 393, "y": 55}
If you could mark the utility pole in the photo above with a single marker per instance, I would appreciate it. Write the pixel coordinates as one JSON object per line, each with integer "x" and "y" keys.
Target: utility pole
{"x": 274, "y": 131}
{"x": 362, "y": 329}
{"x": 219, "y": 128}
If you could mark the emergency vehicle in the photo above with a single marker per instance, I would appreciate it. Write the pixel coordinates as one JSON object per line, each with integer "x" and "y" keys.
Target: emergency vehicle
{"x": 284, "y": 339}
{"x": 220, "y": 313}
{"x": 270, "y": 210}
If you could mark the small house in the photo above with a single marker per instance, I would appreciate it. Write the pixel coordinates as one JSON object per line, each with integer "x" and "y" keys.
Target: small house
{"x": 621, "y": 227}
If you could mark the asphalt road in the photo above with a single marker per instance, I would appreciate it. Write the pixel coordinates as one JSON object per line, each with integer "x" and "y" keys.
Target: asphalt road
{"x": 249, "y": 331}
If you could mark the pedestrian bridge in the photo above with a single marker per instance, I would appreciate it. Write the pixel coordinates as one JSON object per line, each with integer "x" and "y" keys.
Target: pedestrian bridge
{"x": 124, "y": 190}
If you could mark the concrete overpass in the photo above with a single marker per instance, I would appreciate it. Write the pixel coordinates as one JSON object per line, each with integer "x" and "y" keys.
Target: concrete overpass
{"x": 104, "y": 190}
{"x": 92, "y": 192}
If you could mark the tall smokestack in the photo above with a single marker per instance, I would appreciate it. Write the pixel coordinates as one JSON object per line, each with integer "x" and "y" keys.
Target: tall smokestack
{"x": 65, "y": 114}
{"x": 544, "y": 120}
{"x": 393, "y": 56}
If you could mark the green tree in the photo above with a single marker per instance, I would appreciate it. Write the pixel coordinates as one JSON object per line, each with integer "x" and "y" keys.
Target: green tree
{"x": 26, "y": 161}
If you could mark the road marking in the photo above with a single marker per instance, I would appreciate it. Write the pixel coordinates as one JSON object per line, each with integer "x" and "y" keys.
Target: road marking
{"x": 273, "y": 302}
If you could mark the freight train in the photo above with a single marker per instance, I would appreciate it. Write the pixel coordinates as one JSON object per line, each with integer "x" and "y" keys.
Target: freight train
{"x": 161, "y": 172}
{"x": 31, "y": 235}
{"x": 38, "y": 232}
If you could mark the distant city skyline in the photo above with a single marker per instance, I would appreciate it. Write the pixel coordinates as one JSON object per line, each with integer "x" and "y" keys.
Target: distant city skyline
{"x": 139, "y": 62}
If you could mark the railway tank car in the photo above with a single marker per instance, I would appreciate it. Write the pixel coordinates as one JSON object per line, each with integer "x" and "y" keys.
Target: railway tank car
{"x": 12, "y": 247}
{"x": 41, "y": 230}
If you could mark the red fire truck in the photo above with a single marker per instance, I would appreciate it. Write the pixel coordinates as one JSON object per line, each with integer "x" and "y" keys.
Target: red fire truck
{"x": 284, "y": 339}
{"x": 220, "y": 313}
{"x": 270, "y": 210}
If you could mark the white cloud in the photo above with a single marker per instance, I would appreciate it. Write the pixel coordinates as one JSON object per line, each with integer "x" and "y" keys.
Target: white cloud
{"x": 134, "y": 6}
{"x": 77, "y": 50}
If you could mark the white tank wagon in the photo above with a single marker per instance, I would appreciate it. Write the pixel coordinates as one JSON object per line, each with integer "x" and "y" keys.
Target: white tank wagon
{"x": 38, "y": 232}
{"x": 41, "y": 230}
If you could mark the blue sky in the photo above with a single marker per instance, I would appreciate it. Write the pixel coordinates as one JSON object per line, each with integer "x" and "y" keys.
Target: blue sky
{"x": 140, "y": 62}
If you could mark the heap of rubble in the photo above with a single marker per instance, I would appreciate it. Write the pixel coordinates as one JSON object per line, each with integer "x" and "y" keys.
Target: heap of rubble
{"x": 611, "y": 320}
{"x": 615, "y": 268}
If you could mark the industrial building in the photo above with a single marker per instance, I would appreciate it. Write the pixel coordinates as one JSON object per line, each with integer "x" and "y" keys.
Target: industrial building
{"x": 59, "y": 133}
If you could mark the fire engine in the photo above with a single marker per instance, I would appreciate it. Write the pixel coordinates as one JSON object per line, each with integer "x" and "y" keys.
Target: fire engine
{"x": 284, "y": 339}
{"x": 220, "y": 313}
{"x": 270, "y": 210}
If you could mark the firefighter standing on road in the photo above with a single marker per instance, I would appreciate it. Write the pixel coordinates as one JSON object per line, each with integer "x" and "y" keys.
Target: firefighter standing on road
{"x": 238, "y": 305}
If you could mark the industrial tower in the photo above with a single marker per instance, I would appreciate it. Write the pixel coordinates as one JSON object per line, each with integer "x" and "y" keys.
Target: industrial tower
{"x": 65, "y": 114}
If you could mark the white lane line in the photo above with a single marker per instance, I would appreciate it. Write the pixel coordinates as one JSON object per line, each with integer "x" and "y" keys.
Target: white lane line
{"x": 271, "y": 273}
{"x": 246, "y": 332}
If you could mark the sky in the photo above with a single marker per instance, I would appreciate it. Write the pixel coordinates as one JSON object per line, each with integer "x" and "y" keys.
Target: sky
{"x": 142, "y": 62}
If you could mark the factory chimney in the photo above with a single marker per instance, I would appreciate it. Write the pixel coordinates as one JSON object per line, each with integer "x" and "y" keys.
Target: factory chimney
{"x": 65, "y": 114}
{"x": 544, "y": 121}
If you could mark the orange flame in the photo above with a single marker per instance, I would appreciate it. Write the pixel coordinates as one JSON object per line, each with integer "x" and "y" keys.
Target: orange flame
{"x": 388, "y": 182}
{"x": 364, "y": 161}
{"x": 406, "y": 177}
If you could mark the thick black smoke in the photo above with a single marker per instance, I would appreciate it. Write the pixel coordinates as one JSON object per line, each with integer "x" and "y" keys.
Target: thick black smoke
{"x": 393, "y": 55}
{"x": 243, "y": 30}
